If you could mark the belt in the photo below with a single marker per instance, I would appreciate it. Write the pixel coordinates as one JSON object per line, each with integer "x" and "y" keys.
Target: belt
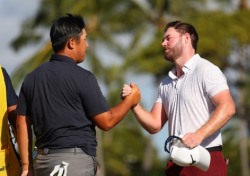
{"x": 46, "y": 151}
{"x": 216, "y": 148}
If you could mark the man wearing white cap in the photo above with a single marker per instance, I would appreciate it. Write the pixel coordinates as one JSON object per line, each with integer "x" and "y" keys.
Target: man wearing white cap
{"x": 195, "y": 100}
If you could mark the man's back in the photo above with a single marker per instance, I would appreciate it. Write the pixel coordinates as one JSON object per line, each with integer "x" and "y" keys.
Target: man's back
{"x": 63, "y": 97}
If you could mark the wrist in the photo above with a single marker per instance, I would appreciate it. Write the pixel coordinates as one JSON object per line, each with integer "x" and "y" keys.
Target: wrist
{"x": 133, "y": 107}
{"x": 27, "y": 166}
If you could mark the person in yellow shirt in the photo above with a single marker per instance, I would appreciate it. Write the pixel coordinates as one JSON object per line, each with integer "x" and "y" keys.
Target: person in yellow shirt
{"x": 9, "y": 162}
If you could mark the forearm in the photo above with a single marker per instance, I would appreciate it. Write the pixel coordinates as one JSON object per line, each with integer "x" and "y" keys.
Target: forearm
{"x": 218, "y": 119}
{"x": 24, "y": 139}
{"x": 144, "y": 118}
{"x": 150, "y": 121}
{"x": 119, "y": 112}
{"x": 111, "y": 118}
{"x": 224, "y": 110}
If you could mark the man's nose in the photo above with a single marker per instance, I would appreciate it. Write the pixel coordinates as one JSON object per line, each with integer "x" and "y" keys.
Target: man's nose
{"x": 164, "y": 43}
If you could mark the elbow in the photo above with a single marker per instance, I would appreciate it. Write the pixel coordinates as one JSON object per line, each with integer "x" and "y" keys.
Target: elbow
{"x": 104, "y": 121}
{"x": 21, "y": 122}
{"x": 152, "y": 132}
{"x": 232, "y": 111}
{"x": 153, "y": 129}
{"x": 105, "y": 126}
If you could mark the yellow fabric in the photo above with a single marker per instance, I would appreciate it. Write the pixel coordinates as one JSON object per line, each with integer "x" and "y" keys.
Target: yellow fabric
{"x": 9, "y": 165}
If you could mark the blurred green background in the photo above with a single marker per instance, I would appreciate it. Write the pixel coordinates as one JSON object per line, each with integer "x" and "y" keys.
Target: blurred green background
{"x": 125, "y": 45}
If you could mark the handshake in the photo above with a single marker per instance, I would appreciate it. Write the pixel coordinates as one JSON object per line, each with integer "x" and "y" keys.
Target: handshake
{"x": 132, "y": 93}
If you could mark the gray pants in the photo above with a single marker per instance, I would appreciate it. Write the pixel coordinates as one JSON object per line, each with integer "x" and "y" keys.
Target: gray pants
{"x": 79, "y": 164}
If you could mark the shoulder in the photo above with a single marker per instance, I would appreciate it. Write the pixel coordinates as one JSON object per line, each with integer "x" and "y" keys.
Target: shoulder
{"x": 35, "y": 73}
{"x": 82, "y": 77}
{"x": 205, "y": 68}
{"x": 84, "y": 73}
{"x": 205, "y": 64}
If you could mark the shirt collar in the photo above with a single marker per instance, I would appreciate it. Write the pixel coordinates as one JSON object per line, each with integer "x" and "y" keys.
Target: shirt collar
{"x": 57, "y": 57}
{"x": 187, "y": 67}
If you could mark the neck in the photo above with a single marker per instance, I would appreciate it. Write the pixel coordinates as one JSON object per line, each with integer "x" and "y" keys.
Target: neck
{"x": 180, "y": 62}
{"x": 179, "y": 72}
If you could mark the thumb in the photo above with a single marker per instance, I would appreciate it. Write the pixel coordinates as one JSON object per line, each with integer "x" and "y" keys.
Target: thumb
{"x": 132, "y": 85}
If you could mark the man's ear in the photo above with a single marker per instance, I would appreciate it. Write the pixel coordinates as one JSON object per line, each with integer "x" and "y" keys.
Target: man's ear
{"x": 187, "y": 37}
{"x": 71, "y": 43}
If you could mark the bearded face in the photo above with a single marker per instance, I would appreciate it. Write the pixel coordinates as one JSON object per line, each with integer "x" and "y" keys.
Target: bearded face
{"x": 171, "y": 53}
{"x": 172, "y": 45}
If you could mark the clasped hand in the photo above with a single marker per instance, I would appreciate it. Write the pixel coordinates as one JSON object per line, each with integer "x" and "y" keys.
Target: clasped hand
{"x": 131, "y": 91}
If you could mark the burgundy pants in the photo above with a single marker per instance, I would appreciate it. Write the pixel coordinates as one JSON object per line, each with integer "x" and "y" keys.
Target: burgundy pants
{"x": 218, "y": 167}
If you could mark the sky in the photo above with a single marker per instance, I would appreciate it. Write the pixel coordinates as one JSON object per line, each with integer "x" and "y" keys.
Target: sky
{"x": 14, "y": 12}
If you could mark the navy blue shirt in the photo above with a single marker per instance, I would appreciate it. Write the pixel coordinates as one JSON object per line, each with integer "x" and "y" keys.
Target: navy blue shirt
{"x": 10, "y": 92}
{"x": 60, "y": 97}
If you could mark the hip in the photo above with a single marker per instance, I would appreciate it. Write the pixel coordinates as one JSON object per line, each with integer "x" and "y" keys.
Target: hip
{"x": 73, "y": 161}
{"x": 218, "y": 167}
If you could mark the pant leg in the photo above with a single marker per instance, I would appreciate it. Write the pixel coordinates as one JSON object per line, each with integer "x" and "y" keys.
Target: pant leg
{"x": 80, "y": 164}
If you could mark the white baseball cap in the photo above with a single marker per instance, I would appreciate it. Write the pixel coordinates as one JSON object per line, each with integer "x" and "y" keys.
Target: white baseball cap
{"x": 183, "y": 156}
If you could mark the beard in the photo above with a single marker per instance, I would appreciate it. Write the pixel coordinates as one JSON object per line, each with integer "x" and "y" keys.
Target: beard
{"x": 173, "y": 53}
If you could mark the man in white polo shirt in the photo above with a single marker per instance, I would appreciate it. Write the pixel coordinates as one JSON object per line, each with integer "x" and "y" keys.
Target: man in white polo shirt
{"x": 194, "y": 98}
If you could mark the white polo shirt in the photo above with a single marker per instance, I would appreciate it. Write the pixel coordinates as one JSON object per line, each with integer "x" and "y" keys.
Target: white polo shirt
{"x": 187, "y": 100}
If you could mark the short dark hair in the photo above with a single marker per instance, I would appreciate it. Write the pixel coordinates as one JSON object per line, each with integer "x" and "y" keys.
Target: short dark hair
{"x": 183, "y": 28}
{"x": 65, "y": 28}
